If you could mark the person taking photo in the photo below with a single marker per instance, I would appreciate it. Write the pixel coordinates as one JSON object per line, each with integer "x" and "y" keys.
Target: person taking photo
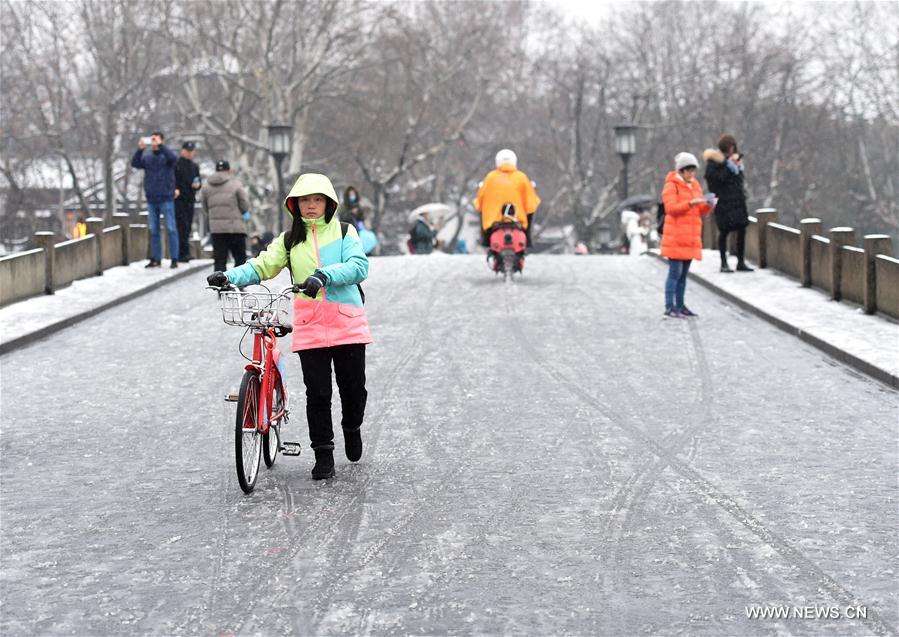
{"x": 724, "y": 177}
{"x": 158, "y": 163}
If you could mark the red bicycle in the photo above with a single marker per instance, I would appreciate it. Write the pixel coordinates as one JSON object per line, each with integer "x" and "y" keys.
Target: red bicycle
{"x": 262, "y": 401}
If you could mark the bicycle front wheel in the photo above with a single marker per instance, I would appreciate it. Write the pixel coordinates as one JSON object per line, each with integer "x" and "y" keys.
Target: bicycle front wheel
{"x": 271, "y": 441}
{"x": 247, "y": 437}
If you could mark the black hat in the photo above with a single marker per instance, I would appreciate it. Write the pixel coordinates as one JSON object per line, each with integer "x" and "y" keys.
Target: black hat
{"x": 222, "y": 164}
{"x": 188, "y": 146}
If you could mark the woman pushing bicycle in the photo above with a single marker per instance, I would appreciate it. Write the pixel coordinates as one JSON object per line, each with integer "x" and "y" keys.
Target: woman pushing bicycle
{"x": 325, "y": 257}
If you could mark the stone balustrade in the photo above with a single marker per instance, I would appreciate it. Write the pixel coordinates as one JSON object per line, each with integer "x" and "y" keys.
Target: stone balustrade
{"x": 866, "y": 274}
{"x": 54, "y": 264}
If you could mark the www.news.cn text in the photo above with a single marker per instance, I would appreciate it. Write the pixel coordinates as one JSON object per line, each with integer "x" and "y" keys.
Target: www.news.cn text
{"x": 773, "y": 611}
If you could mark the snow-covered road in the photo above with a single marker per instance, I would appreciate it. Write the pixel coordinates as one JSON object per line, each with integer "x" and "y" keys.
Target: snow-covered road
{"x": 545, "y": 457}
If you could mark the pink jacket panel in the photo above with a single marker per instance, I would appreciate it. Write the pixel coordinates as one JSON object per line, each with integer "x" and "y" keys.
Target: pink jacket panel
{"x": 323, "y": 324}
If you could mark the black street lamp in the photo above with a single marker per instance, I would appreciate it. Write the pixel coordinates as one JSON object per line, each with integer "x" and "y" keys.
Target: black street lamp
{"x": 279, "y": 139}
{"x": 625, "y": 146}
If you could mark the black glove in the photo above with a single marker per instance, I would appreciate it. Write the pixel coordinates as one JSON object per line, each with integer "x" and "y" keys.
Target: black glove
{"x": 217, "y": 279}
{"x": 314, "y": 283}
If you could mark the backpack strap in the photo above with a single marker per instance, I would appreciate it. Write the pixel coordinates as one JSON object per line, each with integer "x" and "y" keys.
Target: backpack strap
{"x": 287, "y": 248}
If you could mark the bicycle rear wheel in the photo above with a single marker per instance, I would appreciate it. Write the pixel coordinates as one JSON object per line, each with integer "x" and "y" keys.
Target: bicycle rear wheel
{"x": 247, "y": 438}
{"x": 271, "y": 440}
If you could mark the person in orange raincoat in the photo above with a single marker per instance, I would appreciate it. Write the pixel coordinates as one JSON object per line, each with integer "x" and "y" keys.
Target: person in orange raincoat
{"x": 505, "y": 185}
{"x": 685, "y": 205}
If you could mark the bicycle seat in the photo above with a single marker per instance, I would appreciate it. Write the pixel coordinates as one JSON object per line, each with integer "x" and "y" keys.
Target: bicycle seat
{"x": 283, "y": 330}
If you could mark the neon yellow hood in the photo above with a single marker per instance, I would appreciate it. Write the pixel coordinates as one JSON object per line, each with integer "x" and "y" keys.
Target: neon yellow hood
{"x": 310, "y": 184}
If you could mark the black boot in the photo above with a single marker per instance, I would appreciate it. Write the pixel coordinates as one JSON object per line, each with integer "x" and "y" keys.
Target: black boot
{"x": 352, "y": 443}
{"x": 742, "y": 267}
{"x": 724, "y": 266}
{"x": 324, "y": 464}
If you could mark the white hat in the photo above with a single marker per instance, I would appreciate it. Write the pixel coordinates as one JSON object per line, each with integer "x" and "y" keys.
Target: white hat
{"x": 685, "y": 160}
{"x": 506, "y": 156}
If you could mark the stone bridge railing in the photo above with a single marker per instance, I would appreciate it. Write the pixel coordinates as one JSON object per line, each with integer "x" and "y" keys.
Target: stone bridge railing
{"x": 866, "y": 274}
{"x": 834, "y": 261}
{"x": 54, "y": 265}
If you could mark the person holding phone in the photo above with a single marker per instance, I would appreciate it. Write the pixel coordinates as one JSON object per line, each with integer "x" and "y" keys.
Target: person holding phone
{"x": 724, "y": 177}
{"x": 685, "y": 205}
{"x": 159, "y": 186}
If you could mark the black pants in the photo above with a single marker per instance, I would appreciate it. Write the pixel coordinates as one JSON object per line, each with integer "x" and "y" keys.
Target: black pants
{"x": 184, "y": 219}
{"x": 741, "y": 244}
{"x": 349, "y": 369}
{"x": 224, "y": 242}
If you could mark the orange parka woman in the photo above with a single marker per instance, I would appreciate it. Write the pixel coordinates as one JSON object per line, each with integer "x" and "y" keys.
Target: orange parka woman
{"x": 685, "y": 205}
{"x": 502, "y": 186}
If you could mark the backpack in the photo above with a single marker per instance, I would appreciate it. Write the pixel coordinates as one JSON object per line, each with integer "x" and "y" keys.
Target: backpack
{"x": 344, "y": 227}
{"x": 660, "y": 217}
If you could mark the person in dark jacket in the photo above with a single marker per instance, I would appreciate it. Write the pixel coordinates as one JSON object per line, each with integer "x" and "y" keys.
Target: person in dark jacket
{"x": 227, "y": 208}
{"x": 724, "y": 177}
{"x": 423, "y": 234}
{"x": 159, "y": 185}
{"x": 352, "y": 208}
{"x": 187, "y": 183}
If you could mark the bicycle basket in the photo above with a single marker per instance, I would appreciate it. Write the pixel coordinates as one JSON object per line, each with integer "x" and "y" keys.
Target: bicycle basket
{"x": 255, "y": 309}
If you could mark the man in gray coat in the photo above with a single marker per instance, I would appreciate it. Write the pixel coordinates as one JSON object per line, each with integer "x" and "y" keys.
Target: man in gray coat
{"x": 227, "y": 207}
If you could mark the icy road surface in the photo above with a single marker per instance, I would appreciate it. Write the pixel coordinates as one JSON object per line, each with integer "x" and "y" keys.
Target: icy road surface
{"x": 546, "y": 457}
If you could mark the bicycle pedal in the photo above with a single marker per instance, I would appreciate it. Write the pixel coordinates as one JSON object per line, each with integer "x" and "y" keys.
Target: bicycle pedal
{"x": 291, "y": 448}
{"x": 231, "y": 398}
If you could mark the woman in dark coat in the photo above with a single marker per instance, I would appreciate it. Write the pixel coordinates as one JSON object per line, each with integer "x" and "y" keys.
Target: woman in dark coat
{"x": 352, "y": 208}
{"x": 724, "y": 177}
{"x": 423, "y": 234}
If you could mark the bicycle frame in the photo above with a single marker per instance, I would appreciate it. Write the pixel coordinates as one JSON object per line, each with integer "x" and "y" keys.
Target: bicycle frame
{"x": 266, "y": 315}
{"x": 262, "y": 315}
{"x": 266, "y": 355}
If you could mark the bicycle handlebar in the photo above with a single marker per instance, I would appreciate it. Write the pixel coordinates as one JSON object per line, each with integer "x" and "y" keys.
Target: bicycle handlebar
{"x": 293, "y": 289}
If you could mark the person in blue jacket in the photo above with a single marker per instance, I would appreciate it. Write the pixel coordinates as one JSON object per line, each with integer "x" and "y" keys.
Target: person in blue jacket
{"x": 158, "y": 164}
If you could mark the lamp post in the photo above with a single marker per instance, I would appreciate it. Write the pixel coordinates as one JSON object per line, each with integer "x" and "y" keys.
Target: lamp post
{"x": 279, "y": 137}
{"x": 625, "y": 146}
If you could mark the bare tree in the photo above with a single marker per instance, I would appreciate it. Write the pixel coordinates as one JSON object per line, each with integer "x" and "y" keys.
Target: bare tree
{"x": 411, "y": 100}
{"x": 120, "y": 56}
{"x": 428, "y": 75}
{"x": 246, "y": 65}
